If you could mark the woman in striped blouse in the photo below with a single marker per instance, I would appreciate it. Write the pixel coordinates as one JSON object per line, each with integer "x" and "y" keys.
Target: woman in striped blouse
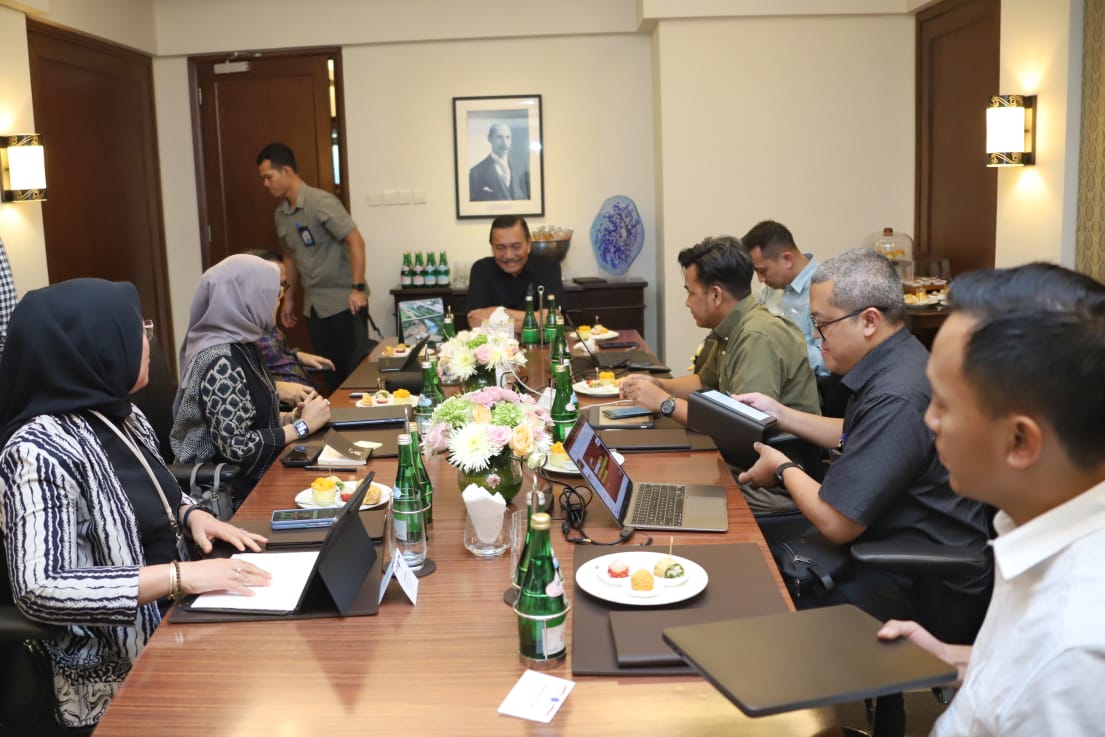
{"x": 93, "y": 524}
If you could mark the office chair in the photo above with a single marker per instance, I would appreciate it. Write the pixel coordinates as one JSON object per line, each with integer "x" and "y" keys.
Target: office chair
{"x": 948, "y": 620}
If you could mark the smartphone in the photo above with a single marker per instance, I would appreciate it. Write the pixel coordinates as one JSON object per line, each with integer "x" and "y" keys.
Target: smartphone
{"x": 621, "y": 413}
{"x": 300, "y": 455}
{"x": 289, "y": 519}
{"x": 620, "y": 344}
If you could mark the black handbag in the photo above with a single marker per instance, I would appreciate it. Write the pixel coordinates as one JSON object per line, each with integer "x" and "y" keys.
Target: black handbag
{"x": 809, "y": 563}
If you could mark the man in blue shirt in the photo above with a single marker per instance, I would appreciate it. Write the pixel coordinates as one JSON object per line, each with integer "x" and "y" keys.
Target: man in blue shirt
{"x": 785, "y": 273}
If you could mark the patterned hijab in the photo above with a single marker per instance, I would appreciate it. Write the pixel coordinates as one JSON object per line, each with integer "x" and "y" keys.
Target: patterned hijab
{"x": 235, "y": 302}
{"x": 71, "y": 347}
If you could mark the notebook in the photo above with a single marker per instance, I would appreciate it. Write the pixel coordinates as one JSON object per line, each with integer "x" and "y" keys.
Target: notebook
{"x": 733, "y": 425}
{"x": 408, "y": 362}
{"x": 646, "y": 505}
{"x": 339, "y": 572}
{"x": 801, "y": 660}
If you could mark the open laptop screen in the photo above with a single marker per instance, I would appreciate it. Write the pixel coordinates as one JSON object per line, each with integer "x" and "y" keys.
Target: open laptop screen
{"x": 599, "y": 469}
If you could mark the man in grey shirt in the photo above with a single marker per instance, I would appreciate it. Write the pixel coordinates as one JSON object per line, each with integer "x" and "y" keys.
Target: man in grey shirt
{"x": 323, "y": 246}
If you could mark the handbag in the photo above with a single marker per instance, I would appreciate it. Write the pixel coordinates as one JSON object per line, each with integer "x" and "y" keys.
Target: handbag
{"x": 214, "y": 496}
{"x": 809, "y": 563}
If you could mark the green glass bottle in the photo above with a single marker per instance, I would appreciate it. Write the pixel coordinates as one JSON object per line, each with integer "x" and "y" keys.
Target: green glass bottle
{"x": 531, "y": 332}
{"x": 448, "y": 327}
{"x": 542, "y": 607}
{"x": 429, "y": 274}
{"x": 418, "y": 277}
{"x": 550, "y": 319}
{"x": 431, "y": 396}
{"x": 443, "y": 274}
{"x": 406, "y": 274}
{"x": 564, "y": 409}
{"x": 424, "y": 481}
{"x": 408, "y": 525}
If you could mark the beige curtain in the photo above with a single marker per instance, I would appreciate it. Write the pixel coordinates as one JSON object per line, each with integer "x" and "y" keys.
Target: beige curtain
{"x": 1090, "y": 250}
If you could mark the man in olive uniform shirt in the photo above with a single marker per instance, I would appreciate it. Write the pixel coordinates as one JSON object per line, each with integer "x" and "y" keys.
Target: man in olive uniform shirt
{"x": 323, "y": 246}
{"x": 747, "y": 346}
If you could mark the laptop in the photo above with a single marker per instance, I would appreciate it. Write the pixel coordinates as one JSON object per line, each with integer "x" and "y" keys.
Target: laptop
{"x": 384, "y": 414}
{"x": 614, "y": 359}
{"x": 646, "y": 505}
{"x": 806, "y": 659}
{"x": 734, "y": 426}
{"x": 409, "y": 362}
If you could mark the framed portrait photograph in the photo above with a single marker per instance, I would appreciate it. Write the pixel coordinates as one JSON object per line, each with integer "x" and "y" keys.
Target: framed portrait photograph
{"x": 498, "y": 153}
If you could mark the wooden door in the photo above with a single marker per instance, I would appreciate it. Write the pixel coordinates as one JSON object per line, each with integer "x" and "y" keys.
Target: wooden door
{"x": 93, "y": 103}
{"x": 283, "y": 98}
{"x": 957, "y": 71}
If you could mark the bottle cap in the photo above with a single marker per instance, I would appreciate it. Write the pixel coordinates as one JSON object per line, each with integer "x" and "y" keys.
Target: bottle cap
{"x": 540, "y": 521}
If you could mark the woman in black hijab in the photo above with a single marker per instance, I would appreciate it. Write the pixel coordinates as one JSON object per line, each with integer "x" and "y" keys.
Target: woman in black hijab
{"x": 93, "y": 523}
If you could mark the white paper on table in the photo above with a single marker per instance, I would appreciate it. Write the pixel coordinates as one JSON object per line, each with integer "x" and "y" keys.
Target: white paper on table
{"x": 485, "y": 511}
{"x": 536, "y": 696}
{"x": 290, "y": 573}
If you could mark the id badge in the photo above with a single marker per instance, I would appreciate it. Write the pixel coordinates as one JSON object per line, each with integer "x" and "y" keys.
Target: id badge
{"x": 305, "y": 235}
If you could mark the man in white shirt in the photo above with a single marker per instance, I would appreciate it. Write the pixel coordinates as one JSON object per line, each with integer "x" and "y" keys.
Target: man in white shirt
{"x": 1017, "y": 404}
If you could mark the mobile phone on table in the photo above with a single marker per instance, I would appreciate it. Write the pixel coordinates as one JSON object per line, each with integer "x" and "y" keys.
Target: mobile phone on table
{"x": 619, "y": 344}
{"x": 300, "y": 455}
{"x": 290, "y": 519}
{"x": 620, "y": 413}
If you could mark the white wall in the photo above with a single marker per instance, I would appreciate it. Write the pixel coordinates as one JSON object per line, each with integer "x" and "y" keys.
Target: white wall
{"x": 125, "y": 22}
{"x": 1041, "y": 54}
{"x": 808, "y": 121}
{"x": 20, "y": 223}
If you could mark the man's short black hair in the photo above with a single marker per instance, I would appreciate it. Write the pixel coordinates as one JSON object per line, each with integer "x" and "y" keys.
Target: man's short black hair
{"x": 508, "y": 221}
{"x": 278, "y": 156}
{"x": 1039, "y": 346}
{"x": 722, "y": 261}
{"x": 770, "y": 237}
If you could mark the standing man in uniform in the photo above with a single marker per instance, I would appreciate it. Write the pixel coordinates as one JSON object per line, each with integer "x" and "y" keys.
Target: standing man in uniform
{"x": 323, "y": 246}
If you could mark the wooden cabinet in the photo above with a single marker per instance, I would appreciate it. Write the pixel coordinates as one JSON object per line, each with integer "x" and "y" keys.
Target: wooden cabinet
{"x": 617, "y": 304}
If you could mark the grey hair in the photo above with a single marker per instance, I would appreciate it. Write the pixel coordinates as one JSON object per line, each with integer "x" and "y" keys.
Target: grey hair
{"x": 863, "y": 278}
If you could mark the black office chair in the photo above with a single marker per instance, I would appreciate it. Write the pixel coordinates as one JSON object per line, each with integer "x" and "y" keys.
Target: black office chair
{"x": 954, "y": 621}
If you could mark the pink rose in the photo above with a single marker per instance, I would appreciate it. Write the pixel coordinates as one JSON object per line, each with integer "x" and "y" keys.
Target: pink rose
{"x": 483, "y": 354}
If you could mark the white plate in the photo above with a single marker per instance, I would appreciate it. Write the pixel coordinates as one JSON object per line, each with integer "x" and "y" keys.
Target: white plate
{"x": 608, "y": 335}
{"x": 368, "y": 401}
{"x": 582, "y": 387}
{"x": 306, "y": 499}
{"x": 592, "y": 578}
{"x": 568, "y": 468}
{"x": 397, "y": 354}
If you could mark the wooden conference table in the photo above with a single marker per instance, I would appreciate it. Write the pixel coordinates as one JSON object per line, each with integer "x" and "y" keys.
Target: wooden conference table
{"x": 439, "y": 668}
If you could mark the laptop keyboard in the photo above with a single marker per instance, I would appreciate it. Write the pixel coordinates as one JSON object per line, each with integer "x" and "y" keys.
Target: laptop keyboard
{"x": 611, "y": 359}
{"x": 658, "y": 505}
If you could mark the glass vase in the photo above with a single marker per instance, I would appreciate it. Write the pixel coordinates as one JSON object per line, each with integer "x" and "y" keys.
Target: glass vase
{"x": 503, "y": 475}
{"x": 484, "y": 376}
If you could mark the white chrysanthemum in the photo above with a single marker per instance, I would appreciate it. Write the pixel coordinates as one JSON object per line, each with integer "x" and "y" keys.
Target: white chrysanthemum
{"x": 463, "y": 364}
{"x": 470, "y": 447}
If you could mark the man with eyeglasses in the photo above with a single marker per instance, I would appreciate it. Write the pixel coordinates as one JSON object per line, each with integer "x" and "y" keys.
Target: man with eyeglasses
{"x": 886, "y": 481}
{"x": 511, "y": 271}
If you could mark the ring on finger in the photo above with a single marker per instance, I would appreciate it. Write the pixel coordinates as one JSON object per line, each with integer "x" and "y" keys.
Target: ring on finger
{"x": 237, "y": 574}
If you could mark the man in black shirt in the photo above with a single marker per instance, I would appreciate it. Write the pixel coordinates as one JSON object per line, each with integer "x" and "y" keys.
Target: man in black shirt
{"x": 504, "y": 278}
{"x": 887, "y": 483}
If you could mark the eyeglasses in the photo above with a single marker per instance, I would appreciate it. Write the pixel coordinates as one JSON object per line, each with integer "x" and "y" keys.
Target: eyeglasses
{"x": 147, "y": 327}
{"x": 284, "y": 286}
{"x": 820, "y": 326}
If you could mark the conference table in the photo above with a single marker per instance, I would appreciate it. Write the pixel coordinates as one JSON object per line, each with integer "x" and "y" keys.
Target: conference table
{"x": 441, "y": 667}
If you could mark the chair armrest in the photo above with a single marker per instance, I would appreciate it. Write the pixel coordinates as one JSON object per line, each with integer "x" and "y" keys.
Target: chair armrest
{"x": 920, "y": 557}
{"x": 14, "y": 627}
{"x": 182, "y": 472}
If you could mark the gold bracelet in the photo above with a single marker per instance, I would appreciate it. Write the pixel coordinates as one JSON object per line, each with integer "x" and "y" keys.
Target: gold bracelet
{"x": 172, "y": 581}
{"x": 174, "y": 593}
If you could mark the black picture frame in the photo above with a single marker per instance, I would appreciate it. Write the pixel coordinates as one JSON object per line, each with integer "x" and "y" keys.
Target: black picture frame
{"x": 483, "y": 191}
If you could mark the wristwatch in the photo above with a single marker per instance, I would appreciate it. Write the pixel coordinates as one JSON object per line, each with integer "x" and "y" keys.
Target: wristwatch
{"x": 301, "y": 428}
{"x": 667, "y": 407}
{"x": 783, "y": 467}
{"x": 359, "y": 286}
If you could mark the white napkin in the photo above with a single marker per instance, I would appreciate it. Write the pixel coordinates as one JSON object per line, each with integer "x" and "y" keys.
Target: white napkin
{"x": 579, "y": 347}
{"x": 485, "y": 511}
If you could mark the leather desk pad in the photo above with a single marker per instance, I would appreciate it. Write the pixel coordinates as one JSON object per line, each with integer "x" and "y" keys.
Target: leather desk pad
{"x": 741, "y": 585}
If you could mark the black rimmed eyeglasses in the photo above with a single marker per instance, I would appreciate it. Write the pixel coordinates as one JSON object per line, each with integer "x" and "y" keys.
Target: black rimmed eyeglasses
{"x": 820, "y": 326}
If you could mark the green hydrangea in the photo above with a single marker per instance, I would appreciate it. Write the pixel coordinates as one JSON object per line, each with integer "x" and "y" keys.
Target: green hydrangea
{"x": 455, "y": 411}
{"x": 505, "y": 413}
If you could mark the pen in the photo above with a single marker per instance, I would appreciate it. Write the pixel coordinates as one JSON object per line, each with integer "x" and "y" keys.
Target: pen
{"x": 358, "y": 395}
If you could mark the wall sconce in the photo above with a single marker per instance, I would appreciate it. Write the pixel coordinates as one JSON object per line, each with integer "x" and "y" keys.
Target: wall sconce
{"x": 22, "y": 168}
{"x": 1011, "y": 130}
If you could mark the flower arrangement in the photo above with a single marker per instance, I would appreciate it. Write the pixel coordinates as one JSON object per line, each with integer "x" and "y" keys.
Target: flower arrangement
{"x": 478, "y": 426}
{"x": 479, "y": 349}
